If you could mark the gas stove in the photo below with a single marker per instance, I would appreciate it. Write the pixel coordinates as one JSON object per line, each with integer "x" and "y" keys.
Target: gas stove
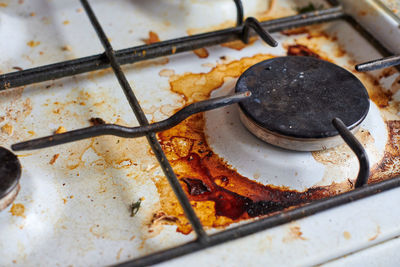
{"x": 96, "y": 175}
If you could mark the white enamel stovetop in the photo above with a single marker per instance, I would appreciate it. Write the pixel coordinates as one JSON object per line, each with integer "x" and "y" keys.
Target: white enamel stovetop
{"x": 76, "y": 210}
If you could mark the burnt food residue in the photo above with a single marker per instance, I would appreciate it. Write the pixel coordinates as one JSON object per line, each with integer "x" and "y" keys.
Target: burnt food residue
{"x": 218, "y": 193}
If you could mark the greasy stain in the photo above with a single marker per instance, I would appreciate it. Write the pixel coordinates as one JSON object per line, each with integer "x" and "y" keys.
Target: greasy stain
{"x": 346, "y": 235}
{"x": 389, "y": 166}
{"x": 293, "y": 234}
{"x": 198, "y": 86}
{"x": 218, "y": 194}
{"x": 153, "y": 38}
{"x": 238, "y": 44}
{"x": 301, "y": 50}
{"x": 18, "y": 209}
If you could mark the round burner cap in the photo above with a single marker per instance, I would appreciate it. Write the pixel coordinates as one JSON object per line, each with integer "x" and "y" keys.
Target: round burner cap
{"x": 297, "y": 98}
{"x": 10, "y": 172}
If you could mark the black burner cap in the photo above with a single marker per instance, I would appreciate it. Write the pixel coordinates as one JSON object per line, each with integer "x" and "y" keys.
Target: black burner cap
{"x": 299, "y": 96}
{"x": 10, "y": 171}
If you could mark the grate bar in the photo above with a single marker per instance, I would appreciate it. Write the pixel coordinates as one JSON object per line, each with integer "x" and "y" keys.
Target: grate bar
{"x": 379, "y": 63}
{"x": 265, "y": 223}
{"x": 131, "y": 132}
{"x": 358, "y": 149}
{"x": 164, "y": 48}
{"x": 151, "y": 137}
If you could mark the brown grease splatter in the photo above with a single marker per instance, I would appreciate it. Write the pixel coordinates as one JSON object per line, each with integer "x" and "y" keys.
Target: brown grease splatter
{"x": 18, "y": 209}
{"x": 201, "y": 52}
{"x": 238, "y": 44}
{"x": 33, "y": 43}
{"x": 301, "y": 50}
{"x": 389, "y": 166}
{"x": 153, "y": 38}
{"x": 346, "y": 235}
{"x": 293, "y": 234}
{"x": 218, "y": 193}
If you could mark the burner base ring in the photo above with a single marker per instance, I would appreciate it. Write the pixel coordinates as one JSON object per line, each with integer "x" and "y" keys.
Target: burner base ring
{"x": 9, "y": 198}
{"x": 291, "y": 143}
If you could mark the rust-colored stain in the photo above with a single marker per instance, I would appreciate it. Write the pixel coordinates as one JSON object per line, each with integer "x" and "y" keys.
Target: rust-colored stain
{"x": 60, "y": 130}
{"x": 378, "y": 232}
{"x": 18, "y": 209}
{"x": 7, "y": 129}
{"x": 54, "y": 159}
{"x": 201, "y": 52}
{"x": 238, "y": 44}
{"x": 346, "y": 235}
{"x": 33, "y": 43}
{"x": 301, "y": 50}
{"x": 153, "y": 38}
{"x": 293, "y": 234}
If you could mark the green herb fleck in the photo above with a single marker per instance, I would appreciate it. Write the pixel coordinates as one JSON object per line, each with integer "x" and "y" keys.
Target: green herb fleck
{"x": 135, "y": 207}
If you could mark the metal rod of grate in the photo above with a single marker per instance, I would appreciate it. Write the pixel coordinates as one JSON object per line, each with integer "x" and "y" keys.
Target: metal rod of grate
{"x": 151, "y": 137}
{"x": 164, "y": 48}
{"x": 131, "y": 132}
{"x": 379, "y": 63}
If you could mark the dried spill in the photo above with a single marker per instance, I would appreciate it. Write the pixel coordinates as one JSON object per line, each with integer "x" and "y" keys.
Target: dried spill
{"x": 220, "y": 195}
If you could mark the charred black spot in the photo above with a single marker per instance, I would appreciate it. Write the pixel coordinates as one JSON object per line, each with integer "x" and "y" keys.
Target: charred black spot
{"x": 301, "y": 50}
{"x": 196, "y": 187}
{"x": 97, "y": 121}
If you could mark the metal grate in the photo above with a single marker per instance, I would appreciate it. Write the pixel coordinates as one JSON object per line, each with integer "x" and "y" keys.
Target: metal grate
{"x": 115, "y": 59}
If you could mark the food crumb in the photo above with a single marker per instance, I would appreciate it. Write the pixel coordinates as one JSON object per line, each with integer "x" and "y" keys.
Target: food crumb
{"x": 3, "y": 4}
{"x": 7, "y": 129}
{"x": 201, "y": 52}
{"x": 346, "y": 235}
{"x": 60, "y": 130}
{"x": 79, "y": 10}
{"x": 153, "y": 38}
{"x": 17, "y": 68}
{"x": 32, "y": 14}
{"x": 32, "y": 43}
{"x": 136, "y": 206}
{"x": 64, "y": 200}
{"x": 54, "y": 158}
{"x": 66, "y": 48}
{"x": 66, "y": 22}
